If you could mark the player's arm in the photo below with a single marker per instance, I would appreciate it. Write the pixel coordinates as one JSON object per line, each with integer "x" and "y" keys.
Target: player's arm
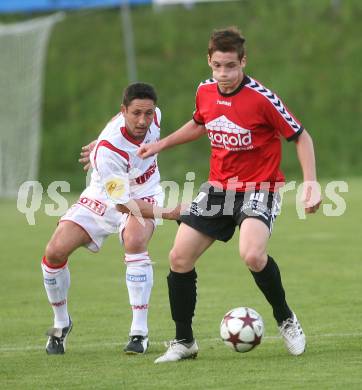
{"x": 305, "y": 151}
{"x": 189, "y": 132}
{"x": 140, "y": 208}
{"x": 311, "y": 193}
{"x": 279, "y": 117}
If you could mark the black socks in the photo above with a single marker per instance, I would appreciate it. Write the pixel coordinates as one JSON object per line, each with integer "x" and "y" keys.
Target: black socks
{"x": 269, "y": 282}
{"x": 182, "y": 295}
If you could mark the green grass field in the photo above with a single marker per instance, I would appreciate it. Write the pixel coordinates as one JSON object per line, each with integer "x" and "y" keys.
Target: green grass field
{"x": 320, "y": 259}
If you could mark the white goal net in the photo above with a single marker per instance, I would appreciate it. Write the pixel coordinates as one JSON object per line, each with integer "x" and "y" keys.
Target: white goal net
{"x": 22, "y": 57}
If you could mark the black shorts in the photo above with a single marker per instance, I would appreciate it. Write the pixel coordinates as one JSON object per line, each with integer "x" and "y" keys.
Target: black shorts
{"x": 216, "y": 213}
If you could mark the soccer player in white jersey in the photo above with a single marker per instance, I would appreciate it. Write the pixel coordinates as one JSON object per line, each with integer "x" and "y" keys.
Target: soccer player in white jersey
{"x": 244, "y": 122}
{"x": 120, "y": 182}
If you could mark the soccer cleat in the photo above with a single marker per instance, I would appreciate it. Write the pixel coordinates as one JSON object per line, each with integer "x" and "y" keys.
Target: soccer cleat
{"x": 293, "y": 335}
{"x": 56, "y": 343}
{"x": 136, "y": 345}
{"x": 178, "y": 351}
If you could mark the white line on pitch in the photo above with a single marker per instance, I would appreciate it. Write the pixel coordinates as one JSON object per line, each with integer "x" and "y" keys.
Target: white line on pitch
{"x": 114, "y": 344}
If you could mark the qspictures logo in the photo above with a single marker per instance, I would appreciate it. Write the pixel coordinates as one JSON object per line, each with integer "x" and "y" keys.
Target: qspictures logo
{"x": 32, "y": 197}
{"x": 224, "y": 133}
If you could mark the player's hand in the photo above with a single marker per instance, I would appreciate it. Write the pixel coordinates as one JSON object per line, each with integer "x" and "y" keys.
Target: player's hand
{"x": 311, "y": 196}
{"x": 172, "y": 214}
{"x": 85, "y": 155}
{"x": 180, "y": 209}
{"x": 147, "y": 150}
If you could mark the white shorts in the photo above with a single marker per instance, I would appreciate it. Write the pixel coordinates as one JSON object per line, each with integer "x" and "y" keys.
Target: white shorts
{"x": 99, "y": 217}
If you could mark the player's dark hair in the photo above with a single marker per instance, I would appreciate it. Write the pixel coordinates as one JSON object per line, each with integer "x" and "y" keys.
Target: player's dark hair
{"x": 227, "y": 40}
{"x": 138, "y": 91}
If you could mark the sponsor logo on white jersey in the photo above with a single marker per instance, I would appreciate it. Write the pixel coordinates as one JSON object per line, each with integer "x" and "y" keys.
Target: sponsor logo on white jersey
{"x": 224, "y": 133}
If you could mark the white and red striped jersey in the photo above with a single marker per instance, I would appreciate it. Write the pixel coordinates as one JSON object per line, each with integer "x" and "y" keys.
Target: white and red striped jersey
{"x": 244, "y": 128}
{"x": 118, "y": 170}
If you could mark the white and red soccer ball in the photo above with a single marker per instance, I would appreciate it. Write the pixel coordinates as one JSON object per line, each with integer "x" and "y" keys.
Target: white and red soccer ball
{"x": 242, "y": 329}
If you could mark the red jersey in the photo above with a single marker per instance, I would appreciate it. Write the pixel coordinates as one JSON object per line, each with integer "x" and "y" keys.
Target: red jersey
{"x": 244, "y": 128}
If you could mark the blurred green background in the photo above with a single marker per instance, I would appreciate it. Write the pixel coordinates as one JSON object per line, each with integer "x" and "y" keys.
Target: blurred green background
{"x": 307, "y": 51}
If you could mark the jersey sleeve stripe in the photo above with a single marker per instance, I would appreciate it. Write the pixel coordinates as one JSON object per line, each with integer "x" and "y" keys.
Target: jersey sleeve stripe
{"x": 276, "y": 102}
{"x": 155, "y": 120}
{"x": 206, "y": 82}
{"x": 108, "y": 145}
{"x": 295, "y": 135}
{"x": 155, "y": 117}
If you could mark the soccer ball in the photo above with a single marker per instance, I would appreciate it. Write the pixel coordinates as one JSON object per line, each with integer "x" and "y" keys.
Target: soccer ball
{"x": 242, "y": 329}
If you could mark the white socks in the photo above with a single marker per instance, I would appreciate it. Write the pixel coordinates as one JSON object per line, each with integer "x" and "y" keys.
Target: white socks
{"x": 56, "y": 283}
{"x": 139, "y": 279}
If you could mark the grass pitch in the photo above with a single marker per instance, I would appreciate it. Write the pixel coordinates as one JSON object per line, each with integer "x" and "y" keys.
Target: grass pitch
{"x": 320, "y": 260}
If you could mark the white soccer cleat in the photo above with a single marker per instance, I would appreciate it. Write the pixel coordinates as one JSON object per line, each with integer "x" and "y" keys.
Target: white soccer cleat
{"x": 178, "y": 351}
{"x": 293, "y": 335}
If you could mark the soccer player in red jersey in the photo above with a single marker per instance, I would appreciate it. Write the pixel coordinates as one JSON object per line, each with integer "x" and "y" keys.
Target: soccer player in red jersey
{"x": 244, "y": 122}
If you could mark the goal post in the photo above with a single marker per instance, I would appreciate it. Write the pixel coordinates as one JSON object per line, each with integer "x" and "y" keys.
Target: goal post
{"x": 23, "y": 51}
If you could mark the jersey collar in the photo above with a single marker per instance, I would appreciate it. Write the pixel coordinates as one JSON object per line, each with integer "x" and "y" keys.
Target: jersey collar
{"x": 130, "y": 138}
{"x": 245, "y": 80}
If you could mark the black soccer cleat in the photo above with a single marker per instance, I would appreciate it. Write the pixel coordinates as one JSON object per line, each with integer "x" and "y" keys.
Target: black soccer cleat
{"x": 56, "y": 343}
{"x": 136, "y": 345}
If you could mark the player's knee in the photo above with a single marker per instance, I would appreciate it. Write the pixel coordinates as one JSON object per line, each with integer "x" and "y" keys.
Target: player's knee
{"x": 55, "y": 253}
{"x": 253, "y": 258}
{"x": 134, "y": 243}
{"x": 178, "y": 262}
{"x": 173, "y": 257}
